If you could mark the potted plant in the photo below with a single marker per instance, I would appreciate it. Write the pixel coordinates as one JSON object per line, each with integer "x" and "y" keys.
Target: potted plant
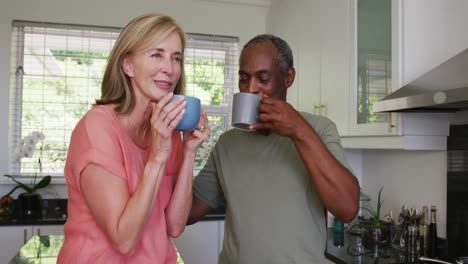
{"x": 373, "y": 229}
{"x": 30, "y": 199}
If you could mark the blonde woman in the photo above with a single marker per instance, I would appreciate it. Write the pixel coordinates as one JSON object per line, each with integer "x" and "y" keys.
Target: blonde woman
{"x": 128, "y": 172}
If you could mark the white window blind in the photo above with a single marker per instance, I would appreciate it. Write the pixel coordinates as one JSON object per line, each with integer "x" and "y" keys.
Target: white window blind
{"x": 56, "y": 73}
{"x": 374, "y": 83}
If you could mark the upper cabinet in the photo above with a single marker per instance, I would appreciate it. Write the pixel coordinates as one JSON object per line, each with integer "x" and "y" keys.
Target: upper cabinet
{"x": 370, "y": 66}
{"x": 351, "y": 53}
{"x": 290, "y": 21}
{"x": 320, "y": 48}
{"x": 393, "y": 42}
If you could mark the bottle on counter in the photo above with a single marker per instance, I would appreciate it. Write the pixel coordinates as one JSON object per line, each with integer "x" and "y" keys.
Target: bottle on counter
{"x": 424, "y": 232}
{"x": 338, "y": 233}
{"x": 432, "y": 241}
{"x": 412, "y": 242}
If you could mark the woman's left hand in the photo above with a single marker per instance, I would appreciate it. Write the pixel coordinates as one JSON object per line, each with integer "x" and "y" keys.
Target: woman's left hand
{"x": 193, "y": 139}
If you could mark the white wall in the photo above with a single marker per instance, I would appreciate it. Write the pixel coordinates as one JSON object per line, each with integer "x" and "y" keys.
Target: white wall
{"x": 195, "y": 16}
{"x": 412, "y": 178}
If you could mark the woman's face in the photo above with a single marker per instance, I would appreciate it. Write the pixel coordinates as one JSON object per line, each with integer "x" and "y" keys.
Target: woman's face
{"x": 155, "y": 72}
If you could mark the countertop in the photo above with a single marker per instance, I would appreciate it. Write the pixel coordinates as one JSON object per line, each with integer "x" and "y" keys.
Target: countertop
{"x": 54, "y": 212}
{"x": 44, "y": 250}
{"x": 352, "y": 251}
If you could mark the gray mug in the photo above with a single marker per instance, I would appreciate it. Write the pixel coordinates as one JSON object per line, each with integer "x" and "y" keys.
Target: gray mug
{"x": 245, "y": 110}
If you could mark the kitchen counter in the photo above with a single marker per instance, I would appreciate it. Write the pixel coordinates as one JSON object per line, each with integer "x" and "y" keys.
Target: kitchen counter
{"x": 45, "y": 249}
{"x": 54, "y": 212}
{"x": 353, "y": 252}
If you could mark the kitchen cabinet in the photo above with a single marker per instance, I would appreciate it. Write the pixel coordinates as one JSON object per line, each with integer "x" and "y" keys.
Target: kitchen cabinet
{"x": 14, "y": 237}
{"x": 220, "y": 235}
{"x": 319, "y": 44}
{"x": 297, "y": 22}
{"x": 406, "y": 39}
{"x": 201, "y": 243}
{"x": 419, "y": 36}
{"x": 45, "y": 230}
{"x": 334, "y": 61}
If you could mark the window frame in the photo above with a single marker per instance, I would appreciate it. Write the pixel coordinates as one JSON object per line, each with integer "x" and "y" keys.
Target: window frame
{"x": 16, "y": 83}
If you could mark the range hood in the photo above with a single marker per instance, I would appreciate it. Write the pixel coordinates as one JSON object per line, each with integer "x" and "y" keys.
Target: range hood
{"x": 443, "y": 89}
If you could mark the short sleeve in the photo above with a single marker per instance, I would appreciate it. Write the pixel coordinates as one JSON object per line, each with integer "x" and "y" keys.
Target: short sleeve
{"x": 329, "y": 134}
{"x": 206, "y": 185}
{"x": 96, "y": 139}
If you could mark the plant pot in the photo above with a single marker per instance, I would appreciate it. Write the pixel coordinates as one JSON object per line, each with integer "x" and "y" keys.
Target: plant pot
{"x": 376, "y": 236}
{"x": 30, "y": 205}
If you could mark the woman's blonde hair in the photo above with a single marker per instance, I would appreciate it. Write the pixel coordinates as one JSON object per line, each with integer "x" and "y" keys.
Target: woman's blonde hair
{"x": 143, "y": 32}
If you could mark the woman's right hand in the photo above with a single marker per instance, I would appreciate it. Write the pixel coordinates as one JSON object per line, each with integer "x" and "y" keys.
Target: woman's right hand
{"x": 164, "y": 119}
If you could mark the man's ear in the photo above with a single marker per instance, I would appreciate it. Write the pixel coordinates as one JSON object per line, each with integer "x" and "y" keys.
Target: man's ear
{"x": 127, "y": 66}
{"x": 290, "y": 75}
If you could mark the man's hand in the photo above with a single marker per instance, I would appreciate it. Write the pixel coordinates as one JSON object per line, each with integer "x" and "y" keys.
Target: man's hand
{"x": 279, "y": 117}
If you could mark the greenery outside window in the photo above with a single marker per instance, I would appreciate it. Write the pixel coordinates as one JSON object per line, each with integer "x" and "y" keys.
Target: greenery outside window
{"x": 56, "y": 72}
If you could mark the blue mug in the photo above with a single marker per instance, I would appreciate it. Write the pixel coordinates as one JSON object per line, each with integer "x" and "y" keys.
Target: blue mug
{"x": 191, "y": 113}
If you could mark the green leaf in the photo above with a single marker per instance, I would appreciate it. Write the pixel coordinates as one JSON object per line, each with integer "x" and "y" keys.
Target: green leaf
{"x": 45, "y": 241}
{"x": 372, "y": 212}
{"x": 20, "y": 184}
{"x": 43, "y": 183}
{"x": 14, "y": 189}
{"x": 379, "y": 203}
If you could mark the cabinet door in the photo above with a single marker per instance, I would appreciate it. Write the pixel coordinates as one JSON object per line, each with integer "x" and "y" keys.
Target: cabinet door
{"x": 220, "y": 235}
{"x": 12, "y": 238}
{"x": 45, "y": 230}
{"x": 334, "y": 70}
{"x": 318, "y": 33}
{"x": 199, "y": 243}
{"x": 298, "y": 23}
{"x": 374, "y": 65}
{"x": 433, "y": 31}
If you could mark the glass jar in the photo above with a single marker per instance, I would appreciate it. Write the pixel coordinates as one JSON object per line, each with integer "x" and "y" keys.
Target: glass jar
{"x": 364, "y": 202}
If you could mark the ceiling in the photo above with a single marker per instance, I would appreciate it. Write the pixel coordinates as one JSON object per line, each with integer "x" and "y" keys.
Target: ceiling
{"x": 262, "y": 3}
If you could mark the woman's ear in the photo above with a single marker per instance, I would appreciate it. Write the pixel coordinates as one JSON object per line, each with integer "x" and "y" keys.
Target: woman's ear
{"x": 127, "y": 66}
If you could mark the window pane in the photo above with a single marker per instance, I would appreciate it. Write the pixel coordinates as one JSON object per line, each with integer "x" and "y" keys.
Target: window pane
{"x": 217, "y": 124}
{"x": 62, "y": 73}
{"x": 206, "y": 72}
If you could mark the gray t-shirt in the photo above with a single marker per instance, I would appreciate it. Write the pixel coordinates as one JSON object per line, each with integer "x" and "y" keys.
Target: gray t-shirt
{"x": 273, "y": 212}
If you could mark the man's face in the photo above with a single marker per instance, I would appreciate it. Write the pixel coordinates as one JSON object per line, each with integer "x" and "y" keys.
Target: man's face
{"x": 259, "y": 71}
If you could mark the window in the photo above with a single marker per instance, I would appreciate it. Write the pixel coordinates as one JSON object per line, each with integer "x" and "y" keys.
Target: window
{"x": 56, "y": 73}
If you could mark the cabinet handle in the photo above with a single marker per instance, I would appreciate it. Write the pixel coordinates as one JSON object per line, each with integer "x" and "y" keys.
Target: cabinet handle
{"x": 390, "y": 123}
{"x": 316, "y": 109}
{"x": 323, "y": 108}
{"x": 25, "y": 234}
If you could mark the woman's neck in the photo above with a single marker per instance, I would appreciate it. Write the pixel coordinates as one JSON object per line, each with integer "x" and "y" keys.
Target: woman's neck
{"x": 137, "y": 124}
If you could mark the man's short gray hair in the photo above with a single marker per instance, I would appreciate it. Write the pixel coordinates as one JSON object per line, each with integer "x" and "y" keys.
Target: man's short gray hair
{"x": 285, "y": 56}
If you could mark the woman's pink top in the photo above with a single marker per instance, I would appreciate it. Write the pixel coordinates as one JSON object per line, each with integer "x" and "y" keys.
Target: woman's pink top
{"x": 100, "y": 138}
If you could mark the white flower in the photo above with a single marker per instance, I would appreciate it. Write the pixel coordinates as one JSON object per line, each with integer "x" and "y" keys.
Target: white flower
{"x": 38, "y": 135}
{"x": 206, "y": 147}
{"x": 27, "y": 145}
